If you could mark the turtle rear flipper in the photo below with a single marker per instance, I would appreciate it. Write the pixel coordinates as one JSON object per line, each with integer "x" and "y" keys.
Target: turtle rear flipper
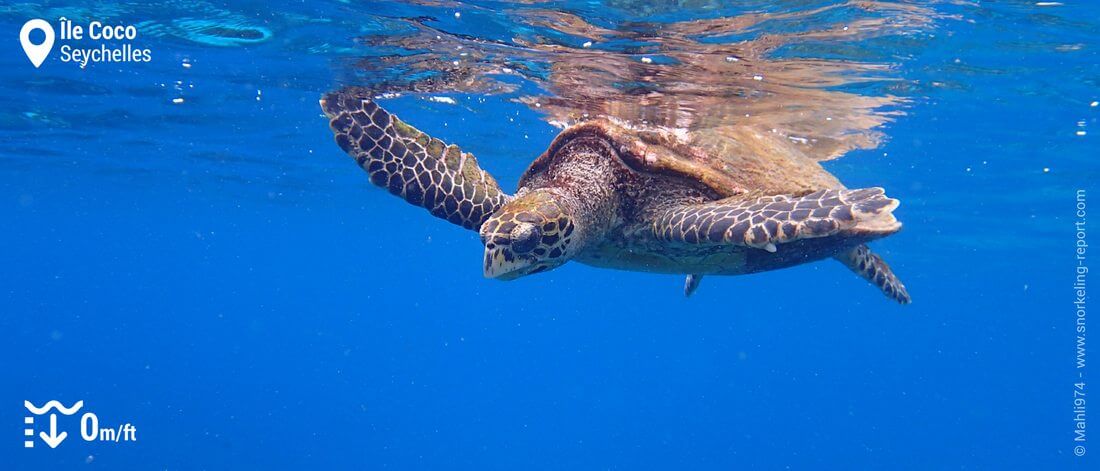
{"x": 423, "y": 170}
{"x": 767, "y": 221}
{"x": 874, "y": 269}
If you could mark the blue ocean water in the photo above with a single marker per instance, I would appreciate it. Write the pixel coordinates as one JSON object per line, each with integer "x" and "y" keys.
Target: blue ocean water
{"x": 186, "y": 250}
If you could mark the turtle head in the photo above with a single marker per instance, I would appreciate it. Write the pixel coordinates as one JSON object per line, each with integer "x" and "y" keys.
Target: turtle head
{"x": 530, "y": 234}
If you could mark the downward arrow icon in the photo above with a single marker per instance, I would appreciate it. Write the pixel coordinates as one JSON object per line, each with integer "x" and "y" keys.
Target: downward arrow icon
{"x": 53, "y": 439}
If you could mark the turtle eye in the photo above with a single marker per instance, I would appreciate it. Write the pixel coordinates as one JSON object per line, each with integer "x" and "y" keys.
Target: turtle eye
{"x": 525, "y": 237}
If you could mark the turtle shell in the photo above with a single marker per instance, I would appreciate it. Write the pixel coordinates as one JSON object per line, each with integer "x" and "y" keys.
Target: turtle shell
{"x": 729, "y": 163}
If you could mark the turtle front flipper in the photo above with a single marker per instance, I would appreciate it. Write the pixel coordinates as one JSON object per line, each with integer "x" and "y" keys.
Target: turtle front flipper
{"x": 423, "y": 170}
{"x": 767, "y": 221}
{"x": 874, "y": 269}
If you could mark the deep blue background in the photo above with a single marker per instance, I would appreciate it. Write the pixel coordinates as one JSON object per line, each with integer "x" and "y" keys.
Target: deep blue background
{"x": 218, "y": 273}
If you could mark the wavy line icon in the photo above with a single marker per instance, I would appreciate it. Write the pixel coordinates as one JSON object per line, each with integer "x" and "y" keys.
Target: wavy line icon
{"x": 53, "y": 405}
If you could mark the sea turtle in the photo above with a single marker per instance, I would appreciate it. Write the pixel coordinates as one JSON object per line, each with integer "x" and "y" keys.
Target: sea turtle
{"x": 608, "y": 194}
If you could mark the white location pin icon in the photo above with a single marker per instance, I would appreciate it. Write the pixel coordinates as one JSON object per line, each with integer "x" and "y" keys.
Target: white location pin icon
{"x": 36, "y": 52}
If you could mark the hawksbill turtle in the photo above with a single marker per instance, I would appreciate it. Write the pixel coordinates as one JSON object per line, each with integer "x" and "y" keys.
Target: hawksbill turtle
{"x": 611, "y": 195}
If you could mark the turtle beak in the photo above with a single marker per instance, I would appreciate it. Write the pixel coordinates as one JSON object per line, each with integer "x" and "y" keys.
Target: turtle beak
{"x": 502, "y": 264}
